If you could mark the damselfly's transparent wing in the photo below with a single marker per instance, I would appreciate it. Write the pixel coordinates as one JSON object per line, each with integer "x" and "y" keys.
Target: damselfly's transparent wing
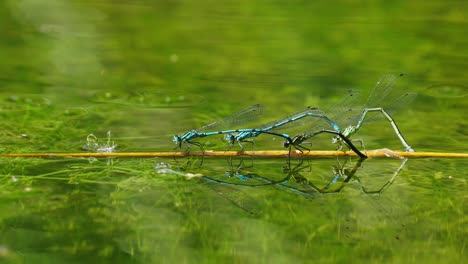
{"x": 244, "y": 116}
{"x": 342, "y": 113}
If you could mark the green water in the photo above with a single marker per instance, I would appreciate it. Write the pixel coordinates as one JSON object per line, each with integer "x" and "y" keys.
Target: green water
{"x": 146, "y": 70}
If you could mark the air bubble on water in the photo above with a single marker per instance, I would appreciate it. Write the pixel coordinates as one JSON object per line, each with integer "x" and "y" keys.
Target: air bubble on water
{"x": 174, "y": 58}
{"x": 46, "y": 101}
{"x": 4, "y": 251}
{"x": 162, "y": 165}
{"x": 448, "y": 91}
{"x": 93, "y": 145}
{"x": 109, "y": 147}
{"x": 13, "y": 98}
{"x": 163, "y": 168}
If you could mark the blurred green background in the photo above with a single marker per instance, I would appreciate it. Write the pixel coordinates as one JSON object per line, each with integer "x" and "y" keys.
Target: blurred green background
{"x": 146, "y": 70}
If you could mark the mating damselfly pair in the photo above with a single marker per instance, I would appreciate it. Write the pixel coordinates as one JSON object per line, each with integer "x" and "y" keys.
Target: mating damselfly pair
{"x": 342, "y": 121}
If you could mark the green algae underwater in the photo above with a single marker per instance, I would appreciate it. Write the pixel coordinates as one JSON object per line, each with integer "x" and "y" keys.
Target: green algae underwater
{"x": 147, "y": 70}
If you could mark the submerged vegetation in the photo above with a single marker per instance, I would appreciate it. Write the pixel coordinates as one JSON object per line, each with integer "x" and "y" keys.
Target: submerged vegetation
{"x": 146, "y": 71}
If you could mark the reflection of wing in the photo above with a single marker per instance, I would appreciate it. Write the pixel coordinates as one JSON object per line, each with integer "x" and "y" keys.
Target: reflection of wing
{"x": 244, "y": 116}
{"x": 236, "y": 195}
{"x": 377, "y": 184}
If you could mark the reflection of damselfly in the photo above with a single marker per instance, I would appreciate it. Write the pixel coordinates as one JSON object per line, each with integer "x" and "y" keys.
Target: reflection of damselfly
{"x": 293, "y": 180}
{"x": 296, "y": 181}
{"x": 388, "y": 182}
{"x": 351, "y": 118}
{"x": 305, "y": 186}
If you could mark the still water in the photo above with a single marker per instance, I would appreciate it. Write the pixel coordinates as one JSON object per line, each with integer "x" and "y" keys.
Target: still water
{"x": 146, "y": 70}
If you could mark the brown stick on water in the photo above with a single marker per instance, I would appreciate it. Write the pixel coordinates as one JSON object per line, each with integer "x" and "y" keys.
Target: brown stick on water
{"x": 265, "y": 153}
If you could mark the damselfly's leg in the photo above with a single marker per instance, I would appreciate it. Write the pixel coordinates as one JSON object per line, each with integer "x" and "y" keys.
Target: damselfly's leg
{"x": 342, "y": 137}
{"x": 361, "y": 142}
{"x": 392, "y": 122}
{"x": 301, "y": 148}
{"x": 239, "y": 142}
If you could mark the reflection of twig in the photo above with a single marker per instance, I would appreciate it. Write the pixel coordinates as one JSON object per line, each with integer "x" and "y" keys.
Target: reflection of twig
{"x": 291, "y": 173}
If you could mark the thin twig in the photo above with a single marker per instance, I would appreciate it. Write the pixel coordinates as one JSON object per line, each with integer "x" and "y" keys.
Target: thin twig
{"x": 265, "y": 153}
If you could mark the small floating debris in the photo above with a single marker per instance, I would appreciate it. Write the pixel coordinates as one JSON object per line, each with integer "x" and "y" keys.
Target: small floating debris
{"x": 165, "y": 168}
{"x": 93, "y": 145}
{"x": 388, "y": 153}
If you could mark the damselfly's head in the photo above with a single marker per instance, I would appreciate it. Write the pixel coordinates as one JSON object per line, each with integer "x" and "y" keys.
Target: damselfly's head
{"x": 231, "y": 138}
{"x": 347, "y": 132}
{"x": 297, "y": 140}
{"x": 185, "y": 137}
{"x": 177, "y": 139}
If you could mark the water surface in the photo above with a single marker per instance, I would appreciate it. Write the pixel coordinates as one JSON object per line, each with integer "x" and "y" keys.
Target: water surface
{"x": 146, "y": 71}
